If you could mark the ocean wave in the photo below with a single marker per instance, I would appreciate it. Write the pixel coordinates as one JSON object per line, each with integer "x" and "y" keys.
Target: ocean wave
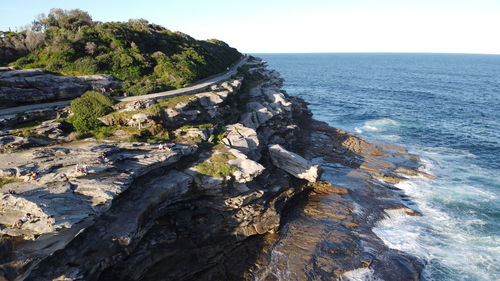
{"x": 377, "y": 125}
{"x": 449, "y": 241}
{"x": 391, "y": 137}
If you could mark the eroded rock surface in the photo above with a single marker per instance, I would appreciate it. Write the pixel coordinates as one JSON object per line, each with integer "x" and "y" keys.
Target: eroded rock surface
{"x": 37, "y": 85}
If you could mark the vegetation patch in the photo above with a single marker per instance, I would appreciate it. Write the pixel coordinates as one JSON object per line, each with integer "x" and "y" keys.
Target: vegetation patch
{"x": 103, "y": 132}
{"x": 27, "y": 125}
{"x": 217, "y": 170}
{"x": 201, "y": 126}
{"x": 252, "y": 59}
{"x": 87, "y": 109}
{"x": 145, "y": 56}
{"x": 173, "y": 101}
{"x": 251, "y": 79}
{"x": 7, "y": 180}
{"x": 216, "y": 166}
{"x": 121, "y": 118}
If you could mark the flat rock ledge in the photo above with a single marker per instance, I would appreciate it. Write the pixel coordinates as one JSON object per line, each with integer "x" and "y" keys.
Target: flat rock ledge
{"x": 37, "y": 85}
{"x": 62, "y": 191}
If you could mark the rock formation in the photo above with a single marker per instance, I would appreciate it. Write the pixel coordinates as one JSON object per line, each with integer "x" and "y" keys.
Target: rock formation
{"x": 37, "y": 86}
{"x": 293, "y": 163}
{"x": 204, "y": 205}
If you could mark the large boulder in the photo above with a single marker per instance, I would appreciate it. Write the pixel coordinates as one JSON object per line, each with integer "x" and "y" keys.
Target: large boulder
{"x": 243, "y": 139}
{"x": 247, "y": 169}
{"x": 50, "y": 129}
{"x": 141, "y": 120}
{"x": 194, "y": 133}
{"x": 294, "y": 164}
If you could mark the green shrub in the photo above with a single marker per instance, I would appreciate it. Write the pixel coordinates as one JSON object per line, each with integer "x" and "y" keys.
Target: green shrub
{"x": 86, "y": 124}
{"x": 103, "y": 132}
{"x": 251, "y": 79}
{"x": 87, "y": 109}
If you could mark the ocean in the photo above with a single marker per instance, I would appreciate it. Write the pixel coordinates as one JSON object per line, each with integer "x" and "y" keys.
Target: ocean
{"x": 444, "y": 108}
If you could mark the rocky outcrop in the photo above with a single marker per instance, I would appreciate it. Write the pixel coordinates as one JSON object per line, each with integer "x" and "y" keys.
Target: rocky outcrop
{"x": 294, "y": 164}
{"x": 72, "y": 183}
{"x": 49, "y": 112}
{"x": 195, "y": 133}
{"x": 205, "y": 205}
{"x": 112, "y": 202}
{"x": 36, "y": 85}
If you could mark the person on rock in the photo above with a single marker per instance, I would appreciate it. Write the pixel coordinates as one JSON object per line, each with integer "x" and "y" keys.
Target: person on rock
{"x": 31, "y": 176}
{"x": 51, "y": 220}
{"x": 18, "y": 224}
{"x": 82, "y": 169}
{"x": 104, "y": 157}
{"x": 163, "y": 146}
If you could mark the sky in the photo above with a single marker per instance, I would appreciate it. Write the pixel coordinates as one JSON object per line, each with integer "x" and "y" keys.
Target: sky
{"x": 292, "y": 26}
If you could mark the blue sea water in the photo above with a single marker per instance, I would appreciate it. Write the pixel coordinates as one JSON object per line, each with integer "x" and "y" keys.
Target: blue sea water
{"x": 446, "y": 109}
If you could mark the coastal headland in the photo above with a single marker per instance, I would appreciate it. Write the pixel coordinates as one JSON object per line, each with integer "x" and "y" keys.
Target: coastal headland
{"x": 263, "y": 192}
{"x": 131, "y": 152}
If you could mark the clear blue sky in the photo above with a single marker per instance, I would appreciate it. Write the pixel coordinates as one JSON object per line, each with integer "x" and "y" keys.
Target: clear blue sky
{"x": 459, "y": 26}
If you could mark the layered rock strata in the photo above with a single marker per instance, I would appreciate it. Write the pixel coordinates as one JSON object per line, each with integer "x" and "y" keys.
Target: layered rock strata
{"x": 36, "y": 86}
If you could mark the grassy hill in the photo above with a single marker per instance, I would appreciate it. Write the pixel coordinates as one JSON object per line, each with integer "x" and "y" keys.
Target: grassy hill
{"x": 145, "y": 56}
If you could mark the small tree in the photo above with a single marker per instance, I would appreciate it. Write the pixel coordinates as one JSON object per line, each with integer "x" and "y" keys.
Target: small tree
{"x": 33, "y": 39}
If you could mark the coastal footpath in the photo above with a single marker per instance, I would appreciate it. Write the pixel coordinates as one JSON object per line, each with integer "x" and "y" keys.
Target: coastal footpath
{"x": 237, "y": 182}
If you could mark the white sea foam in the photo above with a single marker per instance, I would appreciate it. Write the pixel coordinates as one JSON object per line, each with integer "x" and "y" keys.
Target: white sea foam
{"x": 378, "y": 125}
{"x": 391, "y": 137}
{"x": 360, "y": 274}
{"x": 449, "y": 235}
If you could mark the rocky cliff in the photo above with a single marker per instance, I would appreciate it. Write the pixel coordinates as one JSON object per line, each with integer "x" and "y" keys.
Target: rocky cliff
{"x": 204, "y": 205}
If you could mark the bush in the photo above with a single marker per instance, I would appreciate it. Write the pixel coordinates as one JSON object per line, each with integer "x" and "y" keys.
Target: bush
{"x": 88, "y": 108}
{"x": 102, "y": 132}
{"x": 86, "y": 124}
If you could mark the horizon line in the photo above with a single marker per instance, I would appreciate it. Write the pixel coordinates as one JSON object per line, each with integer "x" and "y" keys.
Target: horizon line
{"x": 430, "y": 53}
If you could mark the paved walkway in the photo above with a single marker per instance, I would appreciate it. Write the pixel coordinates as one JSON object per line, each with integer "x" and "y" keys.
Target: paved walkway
{"x": 196, "y": 87}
